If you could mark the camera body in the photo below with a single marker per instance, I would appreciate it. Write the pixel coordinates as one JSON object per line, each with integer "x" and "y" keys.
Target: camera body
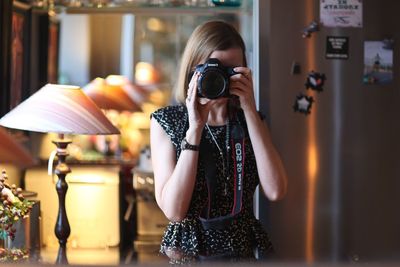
{"x": 213, "y": 81}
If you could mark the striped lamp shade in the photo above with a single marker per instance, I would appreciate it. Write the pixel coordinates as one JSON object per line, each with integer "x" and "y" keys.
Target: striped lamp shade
{"x": 13, "y": 152}
{"x": 59, "y": 109}
{"x": 114, "y": 92}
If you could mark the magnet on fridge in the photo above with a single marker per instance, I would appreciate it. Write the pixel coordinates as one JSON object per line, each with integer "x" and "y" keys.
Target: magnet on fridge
{"x": 303, "y": 104}
{"x": 315, "y": 81}
{"x": 313, "y": 27}
{"x": 296, "y": 68}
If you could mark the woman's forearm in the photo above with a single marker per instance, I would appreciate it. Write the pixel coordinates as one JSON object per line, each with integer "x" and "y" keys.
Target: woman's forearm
{"x": 174, "y": 181}
{"x": 270, "y": 168}
{"x": 177, "y": 192}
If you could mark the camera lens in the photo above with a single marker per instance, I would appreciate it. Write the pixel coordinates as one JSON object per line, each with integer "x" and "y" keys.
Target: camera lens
{"x": 212, "y": 84}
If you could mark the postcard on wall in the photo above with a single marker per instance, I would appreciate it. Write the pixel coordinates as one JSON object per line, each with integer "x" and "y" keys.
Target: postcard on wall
{"x": 378, "y": 62}
{"x": 341, "y": 13}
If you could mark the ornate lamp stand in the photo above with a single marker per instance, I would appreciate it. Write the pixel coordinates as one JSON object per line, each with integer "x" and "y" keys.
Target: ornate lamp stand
{"x": 62, "y": 228}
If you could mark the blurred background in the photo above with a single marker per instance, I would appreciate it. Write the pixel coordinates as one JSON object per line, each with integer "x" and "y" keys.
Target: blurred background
{"x": 326, "y": 75}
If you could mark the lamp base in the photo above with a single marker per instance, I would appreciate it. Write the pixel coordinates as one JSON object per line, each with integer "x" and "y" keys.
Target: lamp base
{"x": 62, "y": 228}
{"x": 62, "y": 255}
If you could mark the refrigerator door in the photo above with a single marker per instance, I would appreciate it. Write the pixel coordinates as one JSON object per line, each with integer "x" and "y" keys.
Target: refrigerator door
{"x": 342, "y": 159}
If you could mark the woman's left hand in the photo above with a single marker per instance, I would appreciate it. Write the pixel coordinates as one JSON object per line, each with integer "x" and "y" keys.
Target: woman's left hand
{"x": 241, "y": 85}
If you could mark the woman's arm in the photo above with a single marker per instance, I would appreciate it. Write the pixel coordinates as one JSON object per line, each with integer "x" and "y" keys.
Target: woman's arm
{"x": 174, "y": 181}
{"x": 272, "y": 174}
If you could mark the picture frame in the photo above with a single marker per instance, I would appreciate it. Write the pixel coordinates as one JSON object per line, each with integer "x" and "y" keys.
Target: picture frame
{"x": 39, "y": 38}
{"x": 5, "y": 50}
{"x": 20, "y": 53}
{"x": 53, "y": 51}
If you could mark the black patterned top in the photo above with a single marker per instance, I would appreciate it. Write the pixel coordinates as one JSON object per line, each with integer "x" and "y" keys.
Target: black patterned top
{"x": 187, "y": 237}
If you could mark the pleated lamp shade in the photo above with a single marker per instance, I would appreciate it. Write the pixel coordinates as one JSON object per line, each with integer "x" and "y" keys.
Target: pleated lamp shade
{"x": 59, "y": 109}
{"x": 113, "y": 93}
{"x": 13, "y": 152}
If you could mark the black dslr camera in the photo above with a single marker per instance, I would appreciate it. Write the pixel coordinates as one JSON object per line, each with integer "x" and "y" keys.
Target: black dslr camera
{"x": 214, "y": 79}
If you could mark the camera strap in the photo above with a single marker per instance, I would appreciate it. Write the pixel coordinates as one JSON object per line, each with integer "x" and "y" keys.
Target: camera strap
{"x": 238, "y": 156}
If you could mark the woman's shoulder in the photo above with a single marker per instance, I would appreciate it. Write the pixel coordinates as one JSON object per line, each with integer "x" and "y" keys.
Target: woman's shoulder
{"x": 173, "y": 119}
{"x": 170, "y": 112}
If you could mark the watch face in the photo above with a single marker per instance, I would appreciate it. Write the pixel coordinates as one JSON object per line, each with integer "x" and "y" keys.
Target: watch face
{"x": 183, "y": 144}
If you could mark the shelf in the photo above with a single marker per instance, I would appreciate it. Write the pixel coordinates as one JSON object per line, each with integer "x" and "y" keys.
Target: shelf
{"x": 101, "y": 162}
{"x": 159, "y": 11}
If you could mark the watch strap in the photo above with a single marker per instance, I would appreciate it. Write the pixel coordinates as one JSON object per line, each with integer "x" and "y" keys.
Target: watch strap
{"x": 185, "y": 145}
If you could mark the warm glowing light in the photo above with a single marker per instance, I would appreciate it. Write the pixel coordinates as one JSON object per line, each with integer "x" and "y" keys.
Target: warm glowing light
{"x": 312, "y": 162}
{"x": 116, "y": 80}
{"x": 155, "y": 25}
{"x": 312, "y": 153}
{"x": 140, "y": 120}
{"x": 115, "y": 92}
{"x": 312, "y": 157}
{"x": 148, "y": 108}
{"x": 89, "y": 211}
{"x": 135, "y": 139}
{"x": 312, "y": 177}
{"x": 145, "y": 73}
{"x": 158, "y": 97}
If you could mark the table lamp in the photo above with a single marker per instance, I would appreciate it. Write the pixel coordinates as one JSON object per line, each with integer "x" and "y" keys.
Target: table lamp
{"x": 114, "y": 92}
{"x": 61, "y": 109}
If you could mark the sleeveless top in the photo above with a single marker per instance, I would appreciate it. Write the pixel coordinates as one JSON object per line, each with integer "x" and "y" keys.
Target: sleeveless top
{"x": 187, "y": 237}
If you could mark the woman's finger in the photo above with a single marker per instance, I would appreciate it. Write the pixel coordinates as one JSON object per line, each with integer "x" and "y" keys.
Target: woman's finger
{"x": 193, "y": 93}
{"x": 240, "y": 80}
{"x": 192, "y": 90}
{"x": 246, "y": 72}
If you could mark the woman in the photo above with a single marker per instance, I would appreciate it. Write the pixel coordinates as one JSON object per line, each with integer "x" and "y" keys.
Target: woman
{"x": 197, "y": 163}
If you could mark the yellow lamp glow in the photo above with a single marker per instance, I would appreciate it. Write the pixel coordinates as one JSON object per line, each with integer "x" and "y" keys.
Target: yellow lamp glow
{"x": 145, "y": 73}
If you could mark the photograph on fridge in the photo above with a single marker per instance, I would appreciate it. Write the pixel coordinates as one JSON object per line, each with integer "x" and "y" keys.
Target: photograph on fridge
{"x": 378, "y": 62}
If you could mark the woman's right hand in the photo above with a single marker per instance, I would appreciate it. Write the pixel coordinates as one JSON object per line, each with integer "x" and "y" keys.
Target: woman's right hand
{"x": 198, "y": 112}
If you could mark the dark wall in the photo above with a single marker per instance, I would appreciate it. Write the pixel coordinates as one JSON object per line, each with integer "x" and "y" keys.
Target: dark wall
{"x": 5, "y": 36}
{"x": 105, "y": 45}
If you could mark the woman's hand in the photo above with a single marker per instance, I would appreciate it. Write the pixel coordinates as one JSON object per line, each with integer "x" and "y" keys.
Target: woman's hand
{"x": 242, "y": 86}
{"x": 198, "y": 112}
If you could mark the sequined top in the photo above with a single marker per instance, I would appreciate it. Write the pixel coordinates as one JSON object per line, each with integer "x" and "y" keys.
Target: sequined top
{"x": 187, "y": 237}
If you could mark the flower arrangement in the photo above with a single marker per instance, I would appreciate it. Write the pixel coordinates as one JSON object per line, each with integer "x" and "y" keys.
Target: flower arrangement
{"x": 8, "y": 255}
{"x": 13, "y": 207}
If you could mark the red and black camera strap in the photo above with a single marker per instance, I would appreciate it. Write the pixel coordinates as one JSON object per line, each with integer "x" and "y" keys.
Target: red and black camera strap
{"x": 238, "y": 157}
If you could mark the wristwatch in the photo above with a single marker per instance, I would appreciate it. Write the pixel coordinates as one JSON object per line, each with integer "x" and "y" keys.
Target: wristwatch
{"x": 186, "y": 146}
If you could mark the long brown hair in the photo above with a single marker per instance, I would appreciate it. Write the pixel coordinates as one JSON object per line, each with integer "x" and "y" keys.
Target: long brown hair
{"x": 205, "y": 39}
